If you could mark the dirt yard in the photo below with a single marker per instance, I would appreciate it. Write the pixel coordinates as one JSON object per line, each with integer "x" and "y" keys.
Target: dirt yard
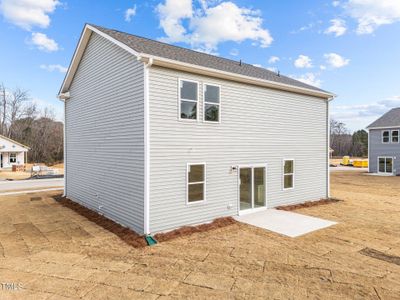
{"x": 49, "y": 252}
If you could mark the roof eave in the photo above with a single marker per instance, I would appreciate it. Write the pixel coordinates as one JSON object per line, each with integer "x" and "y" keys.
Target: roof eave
{"x": 173, "y": 64}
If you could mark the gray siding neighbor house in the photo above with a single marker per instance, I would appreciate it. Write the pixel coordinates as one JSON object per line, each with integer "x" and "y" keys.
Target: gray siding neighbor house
{"x": 159, "y": 136}
{"x": 384, "y": 144}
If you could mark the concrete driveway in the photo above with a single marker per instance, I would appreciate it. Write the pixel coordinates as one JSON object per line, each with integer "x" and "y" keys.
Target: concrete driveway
{"x": 23, "y": 186}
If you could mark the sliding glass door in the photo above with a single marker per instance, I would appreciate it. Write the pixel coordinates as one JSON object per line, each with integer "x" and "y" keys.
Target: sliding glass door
{"x": 252, "y": 183}
{"x": 385, "y": 165}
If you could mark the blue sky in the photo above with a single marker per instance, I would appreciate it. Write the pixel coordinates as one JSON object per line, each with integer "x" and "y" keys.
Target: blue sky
{"x": 349, "y": 47}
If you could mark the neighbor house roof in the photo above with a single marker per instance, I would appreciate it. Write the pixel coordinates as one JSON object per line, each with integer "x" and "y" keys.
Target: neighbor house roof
{"x": 389, "y": 119}
{"x": 12, "y": 141}
{"x": 197, "y": 62}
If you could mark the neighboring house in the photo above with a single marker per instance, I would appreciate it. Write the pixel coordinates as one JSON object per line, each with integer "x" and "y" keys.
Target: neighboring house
{"x": 11, "y": 153}
{"x": 383, "y": 144}
{"x": 159, "y": 136}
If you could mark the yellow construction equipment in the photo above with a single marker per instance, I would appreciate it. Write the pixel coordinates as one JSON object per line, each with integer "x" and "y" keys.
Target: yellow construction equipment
{"x": 346, "y": 161}
{"x": 360, "y": 163}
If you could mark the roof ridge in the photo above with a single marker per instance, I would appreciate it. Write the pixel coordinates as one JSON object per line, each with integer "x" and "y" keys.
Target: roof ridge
{"x": 187, "y": 49}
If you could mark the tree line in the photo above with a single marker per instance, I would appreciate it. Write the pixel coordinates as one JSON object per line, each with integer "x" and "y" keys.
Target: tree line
{"x": 344, "y": 143}
{"x": 22, "y": 121}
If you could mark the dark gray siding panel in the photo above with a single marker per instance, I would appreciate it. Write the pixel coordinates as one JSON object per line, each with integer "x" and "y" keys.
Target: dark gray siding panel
{"x": 105, "y": 135}
{"x": 377, "y": 148}
{"x": 258, "y": 125}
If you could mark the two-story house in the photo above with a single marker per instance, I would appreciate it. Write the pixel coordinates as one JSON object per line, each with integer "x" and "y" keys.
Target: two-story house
{"x": 159, "y": 136}
{"x": 384, "y": 144}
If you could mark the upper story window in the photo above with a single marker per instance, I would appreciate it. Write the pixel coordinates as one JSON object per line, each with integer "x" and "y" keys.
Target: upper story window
{"x": 395, "y": 136}
{"x": 212, "y": 101}
{"x": 188, "y": 98}
{"x": 288, "y": 174}
{"x": 385, "y": 136}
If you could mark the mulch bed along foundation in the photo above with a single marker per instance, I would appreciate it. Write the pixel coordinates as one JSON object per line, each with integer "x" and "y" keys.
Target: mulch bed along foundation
{"x": 131, "y": 237}
{"x": 308, "y": 204}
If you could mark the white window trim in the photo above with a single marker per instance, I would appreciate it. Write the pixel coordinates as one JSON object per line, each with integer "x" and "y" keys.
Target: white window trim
{"x": 390, "y": 136}
{"x": 203, "y": 182}
{"x": 213, "y": 103}
{"x": 9, "y": 158}
{"x": 385, "y": 157}
{"x": 188, "y": 100}
{"x": 283, "y": 174}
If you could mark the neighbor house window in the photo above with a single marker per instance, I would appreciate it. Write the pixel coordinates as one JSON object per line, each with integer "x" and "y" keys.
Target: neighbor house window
{"x": 385, "y": 136}
{"x": 196, "y": 182}
{"x": 395, "y": 136}
{"x": 188, "y": 97}
{"x": 13, "y": 158}
{"x": 288, "y": 174}
{"x": 212, "y": 103}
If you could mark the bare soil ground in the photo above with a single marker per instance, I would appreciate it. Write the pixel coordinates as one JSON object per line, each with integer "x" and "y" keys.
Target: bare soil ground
{"x": 55, "y": 253}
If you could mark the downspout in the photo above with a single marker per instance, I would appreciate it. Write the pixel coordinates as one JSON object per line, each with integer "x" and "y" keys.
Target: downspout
{"x": 64, "y": 97}
{"x": 146, "y": 207}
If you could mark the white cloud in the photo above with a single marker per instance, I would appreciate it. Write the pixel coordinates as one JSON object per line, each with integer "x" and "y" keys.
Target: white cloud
{"x": 364, "y": 114}
{"x": 338, "y": 27}
{"x": 273, "y": 59}
{"x": 308, "y": 78}
{"x": 129, "y": 13}
{"x": 303, "y": 61}
{"x": 257, "y": 65}
{"x": 44, "y": 43}
{"x": 52, "y": 68}
{"x": 335, "y": 60}
{"x": 335, "y": 3}
{"x": 28, "y": 13}
{"x": 322, "y": 67}
{"x": 370, "y": 14}
{"x": 234, "y": 52}
{"x": 208, "y": 26}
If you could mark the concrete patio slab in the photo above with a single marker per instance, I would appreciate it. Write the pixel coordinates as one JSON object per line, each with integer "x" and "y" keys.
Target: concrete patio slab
{"x": 284, "y": 222}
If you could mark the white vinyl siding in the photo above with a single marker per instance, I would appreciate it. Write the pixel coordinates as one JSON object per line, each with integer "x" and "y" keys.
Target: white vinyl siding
{"x": 105, "y": 134}
{"x": 257, "y": 128}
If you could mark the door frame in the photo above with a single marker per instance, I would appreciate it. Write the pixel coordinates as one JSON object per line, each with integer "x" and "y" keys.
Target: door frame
{"x": 385, "y": 157}
{"x": 252, "y": 166}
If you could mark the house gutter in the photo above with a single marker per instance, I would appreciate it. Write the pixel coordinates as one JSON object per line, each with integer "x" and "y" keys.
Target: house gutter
{"x": 173, "y": 64}
{"x": 146, "y": 207}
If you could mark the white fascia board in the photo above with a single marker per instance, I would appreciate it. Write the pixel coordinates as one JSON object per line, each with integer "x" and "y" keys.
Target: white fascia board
{"x": 386, "y": 127}
{"x": 173, "y": 64}
{"x": 80, "y": 49}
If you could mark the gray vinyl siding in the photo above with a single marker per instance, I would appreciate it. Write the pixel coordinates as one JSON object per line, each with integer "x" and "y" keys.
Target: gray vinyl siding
{"x": 258, "y": 125}
{"x": 377, "y": 149}
{"x": 105, "y": 134}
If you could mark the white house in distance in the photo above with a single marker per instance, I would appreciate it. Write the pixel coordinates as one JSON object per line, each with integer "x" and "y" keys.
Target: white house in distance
{"x": 159, "y": 136}
{"x": 11, "y": 153}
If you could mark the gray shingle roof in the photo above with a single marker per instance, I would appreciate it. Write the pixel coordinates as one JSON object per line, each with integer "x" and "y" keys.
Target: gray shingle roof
{"x": 152, "y": 47}
{"x": 389, "y": 119}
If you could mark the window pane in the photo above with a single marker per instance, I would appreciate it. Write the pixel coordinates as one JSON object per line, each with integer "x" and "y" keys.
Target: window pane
{"x": 188, "y": 90}
{"x": 288, "y": 166}
{"x": 386, "y": 133}
{"x": 385, "y": 136}
{"x": 259, "y": 187}
{"x": 245, "y": 188}
{"x": 196, "y": 173}
{"x": 211, "y": 112}
{"x": 389, "y": 165}
{"x": 381, "y": 165}
{"x": 395, "y": 136}
{"x": 188, "y": 110}
{"x": 288, "y": 181}
{"x": 196, "y": 192}
{"x": 211, "y": 93}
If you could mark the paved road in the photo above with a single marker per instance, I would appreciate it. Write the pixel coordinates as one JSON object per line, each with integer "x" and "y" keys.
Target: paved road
{"x": 18, "y": 186}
